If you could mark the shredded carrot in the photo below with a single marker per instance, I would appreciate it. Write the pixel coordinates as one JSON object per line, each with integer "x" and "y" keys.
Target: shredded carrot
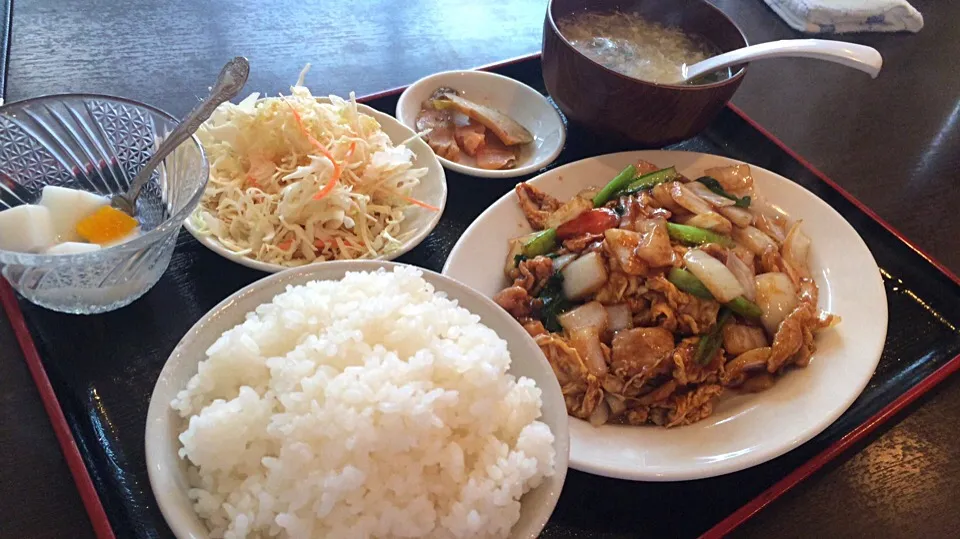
{"x": 327, "y": 189}
{"x": 421, "y": 204}
{"x": 319, "y": 244}
{"x": 353, "y": 146}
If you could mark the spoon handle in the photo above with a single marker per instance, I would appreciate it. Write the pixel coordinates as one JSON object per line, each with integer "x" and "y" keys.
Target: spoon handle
{"x": 860, "y": 57}
{"x": 229, "y": 83}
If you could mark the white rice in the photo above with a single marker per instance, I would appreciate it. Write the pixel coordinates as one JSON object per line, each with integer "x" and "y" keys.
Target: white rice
{"x": 367, "y": 407}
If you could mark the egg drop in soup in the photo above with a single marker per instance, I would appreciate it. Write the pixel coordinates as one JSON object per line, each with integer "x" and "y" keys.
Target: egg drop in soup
{"x": 634, "y": 46}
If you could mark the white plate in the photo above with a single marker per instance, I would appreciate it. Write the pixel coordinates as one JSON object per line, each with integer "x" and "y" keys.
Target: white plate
{"x": 167, "y": 471}
{"x": 432, "y": 190}
{"x": 745, "y": 430}
{"x": 517, "y": 100}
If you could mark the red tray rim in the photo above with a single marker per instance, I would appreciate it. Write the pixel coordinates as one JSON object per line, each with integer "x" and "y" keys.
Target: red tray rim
{"x": 101, "y": 524}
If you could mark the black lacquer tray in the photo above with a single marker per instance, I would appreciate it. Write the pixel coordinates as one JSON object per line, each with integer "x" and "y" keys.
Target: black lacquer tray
{"x": 6, "y": 17}
{"x": 101, "y": 369}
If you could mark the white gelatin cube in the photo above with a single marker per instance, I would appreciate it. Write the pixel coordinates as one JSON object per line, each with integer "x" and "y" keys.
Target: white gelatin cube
{"x": 68, "y": 207}
{"x": 26, "y": 229}
{"x": 72, "y": 248}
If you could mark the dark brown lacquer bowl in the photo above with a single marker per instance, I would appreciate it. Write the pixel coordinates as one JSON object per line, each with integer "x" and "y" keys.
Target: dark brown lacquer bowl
{"x": 628, "y": 110}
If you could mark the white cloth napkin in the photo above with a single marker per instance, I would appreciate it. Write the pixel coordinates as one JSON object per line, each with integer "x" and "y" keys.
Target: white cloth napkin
{"x": 842, "y": 16}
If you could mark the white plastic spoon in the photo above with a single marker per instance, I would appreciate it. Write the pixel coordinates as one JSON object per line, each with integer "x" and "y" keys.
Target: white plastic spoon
{"x": 860, "y": 57}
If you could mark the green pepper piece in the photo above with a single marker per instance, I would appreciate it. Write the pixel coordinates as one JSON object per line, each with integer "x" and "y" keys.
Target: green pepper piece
{"x": 696, "y": 236}
{"x": 541, "y": 244}
{"x": 688, "y": 282}
{"x": 710, "y": 343}
{"x": 648, "y": 181}
{"x": 744, "y": 307}
{"x": 616, "y": 184}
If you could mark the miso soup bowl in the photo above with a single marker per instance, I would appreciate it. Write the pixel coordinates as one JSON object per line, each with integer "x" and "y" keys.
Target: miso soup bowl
{"x": 629, "y": 111}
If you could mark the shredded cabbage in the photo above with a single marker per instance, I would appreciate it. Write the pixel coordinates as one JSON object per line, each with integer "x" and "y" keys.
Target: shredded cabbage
{"x": 270, "y": 196}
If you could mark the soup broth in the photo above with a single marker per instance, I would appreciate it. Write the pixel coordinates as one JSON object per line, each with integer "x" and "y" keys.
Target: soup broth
{"x": 638, "y": 48}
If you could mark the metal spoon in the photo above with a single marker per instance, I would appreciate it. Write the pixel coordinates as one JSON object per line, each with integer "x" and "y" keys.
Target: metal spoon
{"x": 229, "y": 83}
{"x": 860, "y": 57}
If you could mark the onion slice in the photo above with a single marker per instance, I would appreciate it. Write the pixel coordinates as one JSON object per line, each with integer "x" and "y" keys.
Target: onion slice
{"x": 776, "y": 297}
{"x": 587, "y": 343}
{"x": 591, "y": 315}
{"x": 769, "y": 218}
{"x": 761, "y": 206}
{"x": 654, "y": 246}
{"x": 686, "y": 199}
{"x": 600, "y": 414}
{"x": 711, "y": 221}
{"x": 705, "y": 193}
{"x": 744, "y": 275}
{"x": 619, "y": 317}
{"x": 771, "y": 228}
{"x": 796, "y": 250}
{"x": 755, "y": 241}
{"x": 617, "y": 406}
{"x": 714, "y": 275}
{"x": 737, "y": 216}
{"x": 584, "y": 276}
{"x": 561, "y": 261}
{"x": 661, "y": 193}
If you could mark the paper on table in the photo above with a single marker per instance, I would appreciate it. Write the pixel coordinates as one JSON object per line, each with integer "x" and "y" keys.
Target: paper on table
{"x": 843, "y": 16}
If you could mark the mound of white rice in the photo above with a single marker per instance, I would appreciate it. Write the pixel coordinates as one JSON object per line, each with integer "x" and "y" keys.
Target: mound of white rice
{"x": 367, "y": 407}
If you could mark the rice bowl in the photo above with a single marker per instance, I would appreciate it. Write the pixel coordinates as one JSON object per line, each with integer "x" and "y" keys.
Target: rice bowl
{"x": 327, "y": 395}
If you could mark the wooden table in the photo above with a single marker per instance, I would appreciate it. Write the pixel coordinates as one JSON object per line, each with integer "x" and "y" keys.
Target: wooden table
{"x": 894, "y": 142}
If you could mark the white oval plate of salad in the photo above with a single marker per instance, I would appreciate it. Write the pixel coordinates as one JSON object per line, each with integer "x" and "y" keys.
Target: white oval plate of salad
{"x": 744, "y": 429}
{"x": 421, "y": 214}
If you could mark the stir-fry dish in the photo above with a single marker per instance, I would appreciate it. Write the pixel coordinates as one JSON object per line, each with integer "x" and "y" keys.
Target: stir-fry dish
{"x": 652, "y": 296}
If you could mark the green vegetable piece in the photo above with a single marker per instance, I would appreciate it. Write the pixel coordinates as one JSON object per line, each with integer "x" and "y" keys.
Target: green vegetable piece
{"x": 713, "y": 185}
{"x": 710, "y": 343}
{"x": 554, "y": 303}
{"x": 688, "y": 282}
{"x": 616, "y": 184}
{"x": 648, "y": 181}
{"x": 696, "y": 236}
{"x": 744, "y": 307}
{"x": 541, "y": 244}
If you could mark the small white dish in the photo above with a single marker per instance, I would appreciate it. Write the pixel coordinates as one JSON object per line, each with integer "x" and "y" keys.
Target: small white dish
{"x": 744, "y": 430}
{"x": 517, "y": 100}
{"x": 168, "y": 472}
{"x": 432, "y": 190}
